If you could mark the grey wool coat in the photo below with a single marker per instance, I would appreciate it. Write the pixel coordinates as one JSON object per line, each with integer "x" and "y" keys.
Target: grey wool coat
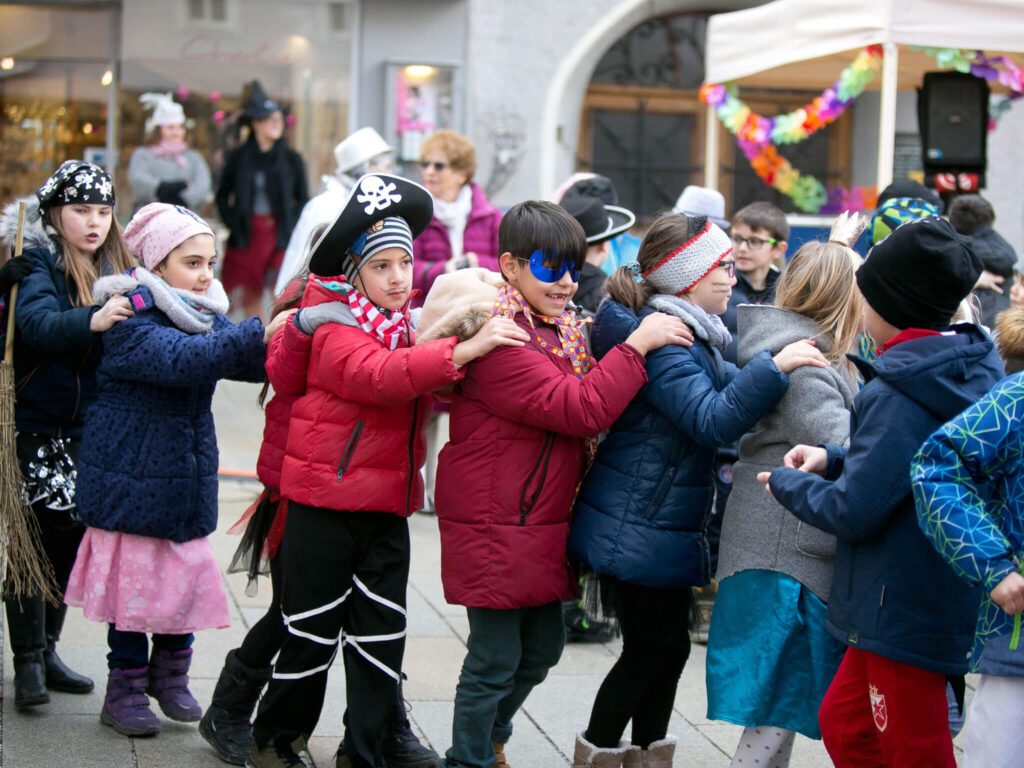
{"x": 146, "y": 170}
{"x": 757, "y": 532}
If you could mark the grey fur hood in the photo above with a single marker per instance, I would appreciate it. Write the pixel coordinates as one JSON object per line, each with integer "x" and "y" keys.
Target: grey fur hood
{"x": 194, "y": 316}
{"x": 762, "y": 326}
{"x": 36, "y": 235}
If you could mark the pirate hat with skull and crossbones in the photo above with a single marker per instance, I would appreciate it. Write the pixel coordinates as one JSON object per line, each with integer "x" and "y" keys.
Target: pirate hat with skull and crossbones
{"x": 375, "y": 198}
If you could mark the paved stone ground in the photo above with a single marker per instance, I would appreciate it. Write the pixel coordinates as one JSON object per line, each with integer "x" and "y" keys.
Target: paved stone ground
{"x": 67, "y": 732}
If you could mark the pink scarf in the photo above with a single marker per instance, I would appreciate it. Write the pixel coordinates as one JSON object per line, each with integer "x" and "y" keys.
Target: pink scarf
{"x": 171, "y": 150}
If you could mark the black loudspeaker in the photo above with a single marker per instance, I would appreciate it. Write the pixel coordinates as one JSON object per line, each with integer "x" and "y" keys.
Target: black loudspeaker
{"x": 952, "y": 111}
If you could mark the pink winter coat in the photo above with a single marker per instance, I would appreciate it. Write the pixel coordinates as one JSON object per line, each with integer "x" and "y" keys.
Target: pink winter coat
{"x": 507, "y": 479}
{"x": 432, "y": 249}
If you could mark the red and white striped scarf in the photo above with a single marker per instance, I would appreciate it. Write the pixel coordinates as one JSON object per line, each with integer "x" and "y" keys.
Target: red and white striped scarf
{"x": 389, "y": 330}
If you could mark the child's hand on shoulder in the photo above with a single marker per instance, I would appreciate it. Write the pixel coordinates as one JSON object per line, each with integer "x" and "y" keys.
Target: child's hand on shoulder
{"x": 1009, "y": 593}
{"x": 658, "y": 330}
{"x": 800, "y": 353}
{"x": 805, "y": 458}
{"x": 276, "y": 324}
{"x": 496, "y": 332}
{"x": 116, "y": 309}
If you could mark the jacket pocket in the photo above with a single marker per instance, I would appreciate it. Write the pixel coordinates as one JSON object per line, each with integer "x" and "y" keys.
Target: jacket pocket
{"x": 528, "y": 500}
{"x": 350, "y": 448}
{"x": 813, "y": 542}
{"x": 660, "y": 492}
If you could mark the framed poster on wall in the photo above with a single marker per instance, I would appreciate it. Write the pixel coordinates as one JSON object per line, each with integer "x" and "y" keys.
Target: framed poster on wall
{"x": 422, "y": 98}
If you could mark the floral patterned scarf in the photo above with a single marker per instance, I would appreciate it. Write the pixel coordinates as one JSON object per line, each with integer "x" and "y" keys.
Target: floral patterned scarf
{"x": 510, "y": 302}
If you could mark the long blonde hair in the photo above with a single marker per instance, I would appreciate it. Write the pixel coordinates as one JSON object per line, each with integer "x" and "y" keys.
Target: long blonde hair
{"x": 819, "y": 283}
{"x": 111, "y": 257}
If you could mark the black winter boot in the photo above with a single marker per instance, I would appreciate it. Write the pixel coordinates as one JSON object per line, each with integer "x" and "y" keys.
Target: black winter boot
{"x": 226, "y": 723}
{"x": 402, "y": 749}
{"x": 25, "y": 626}
{"x": 58, "y": 676}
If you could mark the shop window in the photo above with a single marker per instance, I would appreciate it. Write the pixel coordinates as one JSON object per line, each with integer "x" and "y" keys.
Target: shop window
{"x": 54, "y": 98}
{"x": 211, "y": 13}
{"x": 338, "y": 17}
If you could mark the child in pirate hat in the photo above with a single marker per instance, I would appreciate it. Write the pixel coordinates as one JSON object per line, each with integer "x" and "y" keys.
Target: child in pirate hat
{"x": 351, "y": 472}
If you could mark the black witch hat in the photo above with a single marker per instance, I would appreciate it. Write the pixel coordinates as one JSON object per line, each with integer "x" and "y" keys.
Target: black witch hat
{"x": 259, "y": 104}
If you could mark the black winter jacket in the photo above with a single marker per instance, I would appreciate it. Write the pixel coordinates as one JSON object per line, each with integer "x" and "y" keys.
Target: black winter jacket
{"x": 286, "y": 188}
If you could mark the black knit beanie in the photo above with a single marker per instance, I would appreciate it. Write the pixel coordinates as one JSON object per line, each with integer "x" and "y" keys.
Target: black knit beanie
{"x": 918, "y": 275}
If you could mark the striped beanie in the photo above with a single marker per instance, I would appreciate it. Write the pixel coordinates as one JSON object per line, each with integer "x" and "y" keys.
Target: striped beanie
{"x": 688, "y": 264}
{"x": 392, "y": 232}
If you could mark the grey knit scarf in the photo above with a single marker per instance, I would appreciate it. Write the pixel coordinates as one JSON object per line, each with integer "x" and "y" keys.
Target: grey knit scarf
{"x": 190, "y": 312}
{"x": 709, "y": 328}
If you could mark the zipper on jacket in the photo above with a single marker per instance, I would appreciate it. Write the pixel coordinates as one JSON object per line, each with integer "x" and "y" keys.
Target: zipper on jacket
{"x": 350, "y": 448}
{"x": 526, "y": 505}
{"x": 412, "y": 457}
{"x": 661, "y": 492}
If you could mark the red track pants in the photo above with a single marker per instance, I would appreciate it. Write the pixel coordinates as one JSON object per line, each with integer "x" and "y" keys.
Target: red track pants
{"x": 878, "y": 712}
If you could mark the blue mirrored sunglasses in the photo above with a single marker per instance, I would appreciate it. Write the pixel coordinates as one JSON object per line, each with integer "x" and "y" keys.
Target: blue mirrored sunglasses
{"x": 540, "y": 265}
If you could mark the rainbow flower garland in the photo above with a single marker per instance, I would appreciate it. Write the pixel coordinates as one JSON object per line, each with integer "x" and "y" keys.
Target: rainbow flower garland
{"x": 758, "y": 136}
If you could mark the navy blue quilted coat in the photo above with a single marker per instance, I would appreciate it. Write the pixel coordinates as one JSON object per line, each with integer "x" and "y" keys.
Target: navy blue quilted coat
{"x": 644, "y": 505}
{"x": 55, "y": 353}
{"x": 148, "y": 463}
{"x": 892, "y": 593}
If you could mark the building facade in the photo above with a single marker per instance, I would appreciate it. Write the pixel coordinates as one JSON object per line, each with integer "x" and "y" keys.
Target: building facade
{"x": 542, "y": 88}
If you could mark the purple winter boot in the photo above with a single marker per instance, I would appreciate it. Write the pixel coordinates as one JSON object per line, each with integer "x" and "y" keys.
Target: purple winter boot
{"x": 168, "y": 684}
{"x": 126, "y": 706}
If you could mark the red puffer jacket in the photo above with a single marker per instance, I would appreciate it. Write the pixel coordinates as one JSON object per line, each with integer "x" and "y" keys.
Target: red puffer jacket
{"x": 356, "y": 438}
{"x": 287, "y": 361}
{"x": 507, "y": 479}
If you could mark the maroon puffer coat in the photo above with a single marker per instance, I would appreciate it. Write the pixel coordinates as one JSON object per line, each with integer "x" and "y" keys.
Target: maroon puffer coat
{"x": 356, "y": 438}
{"x": 432, "y": 250}
{"x": 507, "y": 479}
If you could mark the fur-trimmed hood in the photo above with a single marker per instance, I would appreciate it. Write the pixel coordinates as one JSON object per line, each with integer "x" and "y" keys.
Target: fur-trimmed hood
{"x": 459, "y": 303}
{"x": 35, "y": 236}
{"x": 189, "y": 312}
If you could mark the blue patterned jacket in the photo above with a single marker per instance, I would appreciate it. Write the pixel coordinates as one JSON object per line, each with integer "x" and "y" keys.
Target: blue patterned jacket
{"x": 969, "y": 489}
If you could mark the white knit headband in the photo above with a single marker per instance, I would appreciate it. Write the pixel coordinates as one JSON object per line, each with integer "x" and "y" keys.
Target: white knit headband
{"x": 688, "y": 264}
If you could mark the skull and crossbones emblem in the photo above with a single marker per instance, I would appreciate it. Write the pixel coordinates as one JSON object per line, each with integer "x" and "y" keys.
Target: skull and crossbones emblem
{"x": 376, "y": 194}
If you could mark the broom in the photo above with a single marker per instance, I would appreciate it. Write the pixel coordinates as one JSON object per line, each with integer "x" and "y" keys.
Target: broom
{"x": 26, "y": 570}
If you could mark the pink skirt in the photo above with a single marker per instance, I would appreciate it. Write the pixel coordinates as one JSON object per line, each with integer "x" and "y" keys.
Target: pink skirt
{"x": 143, "y": 584}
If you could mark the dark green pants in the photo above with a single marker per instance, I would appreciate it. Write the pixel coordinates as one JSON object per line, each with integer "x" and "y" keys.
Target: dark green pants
{"x": 508, "y": 654}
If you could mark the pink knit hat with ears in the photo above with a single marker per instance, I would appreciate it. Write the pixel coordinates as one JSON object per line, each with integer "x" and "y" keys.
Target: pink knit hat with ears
{"x": 689, "y": 263}
{"x": 158, "y": 228}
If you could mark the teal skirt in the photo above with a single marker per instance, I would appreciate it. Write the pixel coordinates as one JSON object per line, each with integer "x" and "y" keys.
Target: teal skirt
{"x": 770, "y": 658}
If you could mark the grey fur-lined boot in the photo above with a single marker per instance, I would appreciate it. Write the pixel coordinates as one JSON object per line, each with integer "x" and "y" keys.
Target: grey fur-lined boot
{"x": 586, "y": 755}
{"x": 658, "y": 754}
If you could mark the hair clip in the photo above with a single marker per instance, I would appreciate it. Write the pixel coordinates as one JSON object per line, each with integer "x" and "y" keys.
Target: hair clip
{"x": 634, "y": 267}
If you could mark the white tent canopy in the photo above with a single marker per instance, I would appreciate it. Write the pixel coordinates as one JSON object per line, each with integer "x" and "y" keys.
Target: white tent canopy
{"x": 744, "y": 43}
{"x": 773, "y": 45}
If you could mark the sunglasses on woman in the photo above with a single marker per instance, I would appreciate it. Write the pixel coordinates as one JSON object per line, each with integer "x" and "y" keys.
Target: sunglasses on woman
{"x": 438, "y": 166}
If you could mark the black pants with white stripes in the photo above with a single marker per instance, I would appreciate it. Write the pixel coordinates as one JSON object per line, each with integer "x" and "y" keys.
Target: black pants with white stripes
{"x": 344, "y": 581}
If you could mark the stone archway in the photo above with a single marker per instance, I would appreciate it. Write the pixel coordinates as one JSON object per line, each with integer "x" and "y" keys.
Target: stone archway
{"x": 564, "y": 99}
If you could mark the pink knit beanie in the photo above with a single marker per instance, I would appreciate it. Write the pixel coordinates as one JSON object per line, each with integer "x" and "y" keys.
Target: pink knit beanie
{"x": 158, "y": 228}
{"x": 688, "y": 264}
